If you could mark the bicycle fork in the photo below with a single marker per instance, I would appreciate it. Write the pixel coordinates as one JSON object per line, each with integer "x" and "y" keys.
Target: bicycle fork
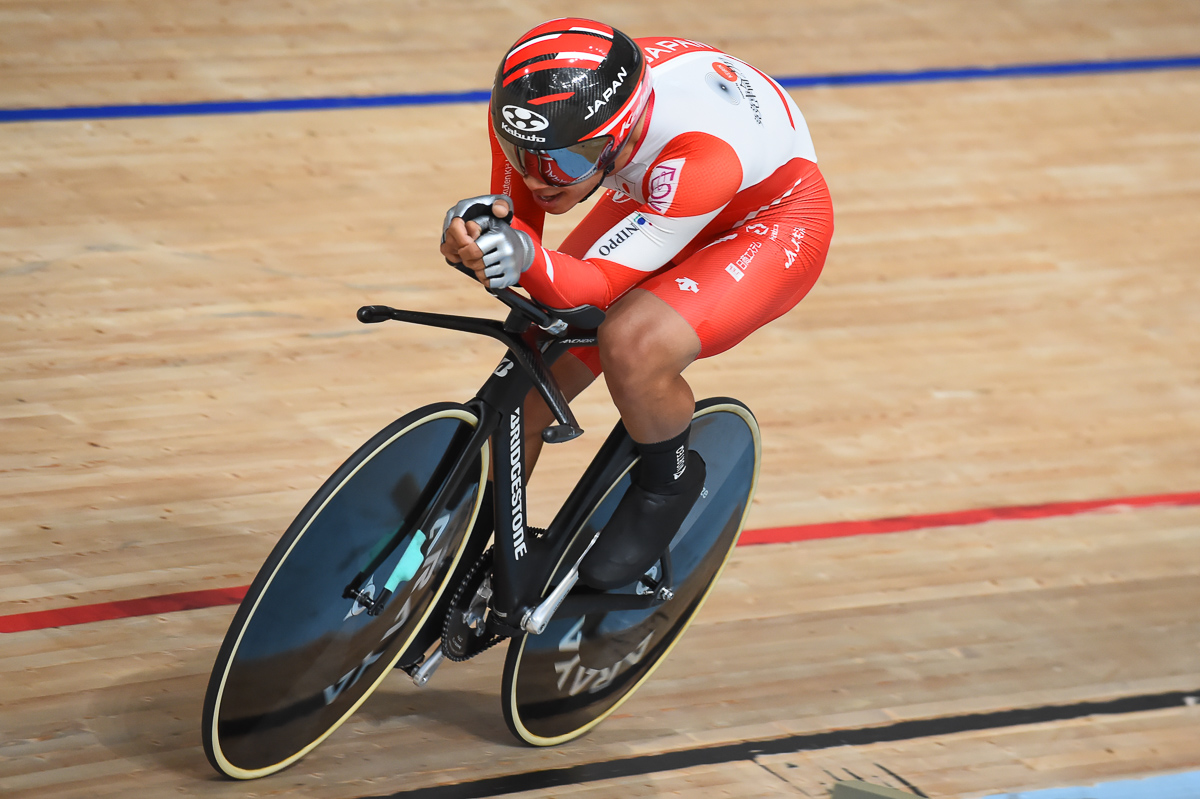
{"x": 361, "y": 588}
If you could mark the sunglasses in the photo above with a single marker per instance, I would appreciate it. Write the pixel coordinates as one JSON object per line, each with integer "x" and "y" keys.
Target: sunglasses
{"x": 564, "y": 166}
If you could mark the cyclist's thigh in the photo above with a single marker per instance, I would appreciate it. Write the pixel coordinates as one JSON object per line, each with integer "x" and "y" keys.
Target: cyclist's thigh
{"x": 748, "y": 276}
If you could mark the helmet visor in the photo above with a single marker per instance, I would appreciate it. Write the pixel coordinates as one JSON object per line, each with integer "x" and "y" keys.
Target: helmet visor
{"x": 564, "y": 166}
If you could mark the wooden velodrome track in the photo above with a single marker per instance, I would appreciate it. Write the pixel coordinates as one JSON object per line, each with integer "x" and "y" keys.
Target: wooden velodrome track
{"x": 1009, "y": 317}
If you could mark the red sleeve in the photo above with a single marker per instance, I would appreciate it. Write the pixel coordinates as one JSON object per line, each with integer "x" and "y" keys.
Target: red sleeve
{"x": 505, "y": 180}
{"x": 563, "y": 281}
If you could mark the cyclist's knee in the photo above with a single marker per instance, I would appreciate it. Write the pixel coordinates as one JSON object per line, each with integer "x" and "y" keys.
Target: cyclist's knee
{"x": 626, "y": 354}
{"x": 646, "y": 342}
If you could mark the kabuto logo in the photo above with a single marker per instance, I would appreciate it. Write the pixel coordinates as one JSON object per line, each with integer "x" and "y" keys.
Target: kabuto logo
{"x": 522, "y": 123}
{"x": 524, "y": 119}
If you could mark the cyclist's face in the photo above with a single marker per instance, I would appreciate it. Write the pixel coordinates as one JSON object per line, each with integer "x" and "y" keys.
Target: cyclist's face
{"x": 560, "y": 199}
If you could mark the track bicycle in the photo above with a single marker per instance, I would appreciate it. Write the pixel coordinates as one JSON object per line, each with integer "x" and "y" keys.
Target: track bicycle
{"x": 388, "y": 565}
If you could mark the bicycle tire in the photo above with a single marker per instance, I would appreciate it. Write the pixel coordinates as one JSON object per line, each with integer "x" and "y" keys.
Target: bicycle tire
{"x": 562, "y": 683}
{"x": 292, "y": 668}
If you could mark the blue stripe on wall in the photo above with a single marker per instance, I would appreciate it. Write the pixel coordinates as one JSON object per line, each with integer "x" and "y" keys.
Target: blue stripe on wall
{"x": 447, "y": 98}
{"x": 985, "y": 73}
{"x": 236, "y": 107}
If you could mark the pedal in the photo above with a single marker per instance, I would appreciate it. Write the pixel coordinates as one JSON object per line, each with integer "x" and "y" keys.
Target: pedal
{"x": 658, "y": 580}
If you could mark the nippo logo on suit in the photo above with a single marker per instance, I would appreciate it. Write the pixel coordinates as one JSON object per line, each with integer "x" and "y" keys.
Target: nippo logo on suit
{"x": 664, "y": 181}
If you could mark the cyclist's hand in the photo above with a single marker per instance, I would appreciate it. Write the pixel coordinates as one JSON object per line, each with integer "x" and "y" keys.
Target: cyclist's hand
{"x": 497, "y": 256}
{"x": 461, "y": 226}
{"x": 506, "y": 254}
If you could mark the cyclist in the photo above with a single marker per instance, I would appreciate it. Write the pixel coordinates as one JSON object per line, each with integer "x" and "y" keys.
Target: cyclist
{"x": 715, "y": 220}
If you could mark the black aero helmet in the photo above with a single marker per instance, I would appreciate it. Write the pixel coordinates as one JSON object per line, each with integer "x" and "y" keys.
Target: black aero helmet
{"x": 566, "y": 98}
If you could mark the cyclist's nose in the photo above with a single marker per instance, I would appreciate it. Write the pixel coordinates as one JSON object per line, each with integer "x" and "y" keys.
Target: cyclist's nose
{"x": 535, "y": 184}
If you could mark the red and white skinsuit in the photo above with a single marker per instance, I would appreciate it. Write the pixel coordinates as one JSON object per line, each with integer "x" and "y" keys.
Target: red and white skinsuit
{"x": 721, "y": 213}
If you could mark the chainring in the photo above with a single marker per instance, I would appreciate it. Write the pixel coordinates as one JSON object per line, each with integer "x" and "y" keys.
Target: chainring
{"x": 459, "y": 640}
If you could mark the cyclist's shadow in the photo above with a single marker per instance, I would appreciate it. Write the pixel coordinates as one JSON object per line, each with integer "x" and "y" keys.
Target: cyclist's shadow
{"x": 465, "y": 710}
{"x": 152, "y": 720}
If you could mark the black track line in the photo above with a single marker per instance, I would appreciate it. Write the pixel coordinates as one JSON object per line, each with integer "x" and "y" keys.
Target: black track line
{"x": 730, "y": 753}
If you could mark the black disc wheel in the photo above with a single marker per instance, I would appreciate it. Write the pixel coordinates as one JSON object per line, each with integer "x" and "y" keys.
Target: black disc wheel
{"x": 560, "y": 684}
{"x": 301, "y": 653}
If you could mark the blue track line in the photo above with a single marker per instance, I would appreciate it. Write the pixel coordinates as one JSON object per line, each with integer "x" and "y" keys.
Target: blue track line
{"x": 1170, "y": 786}
{"x": 449, "y": 98}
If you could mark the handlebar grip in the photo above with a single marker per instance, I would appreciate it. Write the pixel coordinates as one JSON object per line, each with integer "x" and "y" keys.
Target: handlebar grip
{"x": 559, "y": 433}
{"x": 371, "y": 314}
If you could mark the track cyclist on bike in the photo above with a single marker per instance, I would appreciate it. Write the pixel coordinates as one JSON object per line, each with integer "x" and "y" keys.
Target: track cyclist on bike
{"x": 715, "y": 221}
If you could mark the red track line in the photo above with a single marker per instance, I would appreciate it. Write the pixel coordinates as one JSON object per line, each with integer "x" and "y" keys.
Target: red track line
{"x": 805, "y": 532}
{"x": 121, "y": 609}
{"x": 195, "y": 600}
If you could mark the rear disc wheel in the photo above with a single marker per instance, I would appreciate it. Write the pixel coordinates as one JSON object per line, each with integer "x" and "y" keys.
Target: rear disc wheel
{"x": 560, "y": 684}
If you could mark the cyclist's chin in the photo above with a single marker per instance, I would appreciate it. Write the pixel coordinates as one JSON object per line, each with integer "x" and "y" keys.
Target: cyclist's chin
{"x": 559, "y": 202}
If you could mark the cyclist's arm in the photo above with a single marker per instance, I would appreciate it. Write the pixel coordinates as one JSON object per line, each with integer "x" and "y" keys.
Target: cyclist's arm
{"x": 690, "y": 183}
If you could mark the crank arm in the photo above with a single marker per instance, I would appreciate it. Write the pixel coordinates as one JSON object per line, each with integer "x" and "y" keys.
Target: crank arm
{"x": 422, "y": 673}
{"x": 537, "y": 619}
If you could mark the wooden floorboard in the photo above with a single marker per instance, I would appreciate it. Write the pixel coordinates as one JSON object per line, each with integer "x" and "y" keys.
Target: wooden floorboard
{"x": 1007, "y": 317}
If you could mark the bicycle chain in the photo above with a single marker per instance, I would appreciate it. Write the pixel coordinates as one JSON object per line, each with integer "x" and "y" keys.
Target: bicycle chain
{"x": 454, "y": 615}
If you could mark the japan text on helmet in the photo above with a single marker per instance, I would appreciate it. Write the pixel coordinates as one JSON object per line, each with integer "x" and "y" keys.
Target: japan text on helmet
{"x": 566, "y": 98}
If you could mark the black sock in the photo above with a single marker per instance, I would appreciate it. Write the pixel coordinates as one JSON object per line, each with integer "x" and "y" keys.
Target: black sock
{"x": 662, "y": 464}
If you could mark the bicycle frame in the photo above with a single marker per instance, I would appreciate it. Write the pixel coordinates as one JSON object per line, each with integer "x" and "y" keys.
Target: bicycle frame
{"x": 523, "y": 559}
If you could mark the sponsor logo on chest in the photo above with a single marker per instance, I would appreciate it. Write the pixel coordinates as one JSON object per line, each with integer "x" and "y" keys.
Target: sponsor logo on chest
{"x": 622, "y": 234}
{"x": 663, "y": 183}
{"x": 743, "y": 84}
